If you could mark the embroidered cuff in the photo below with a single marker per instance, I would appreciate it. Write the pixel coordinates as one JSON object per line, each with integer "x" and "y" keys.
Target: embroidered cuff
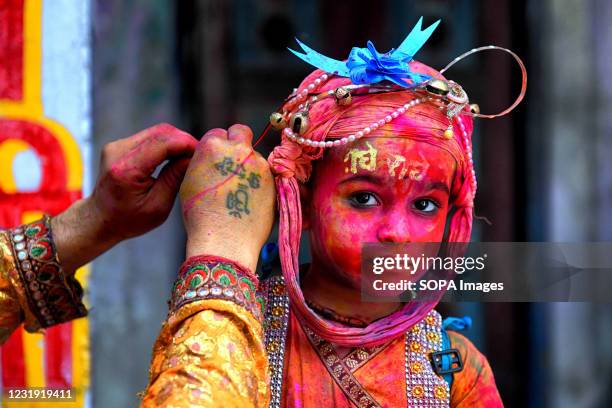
{"x": 52, "y": 296}
{"x": 212, "y": 277}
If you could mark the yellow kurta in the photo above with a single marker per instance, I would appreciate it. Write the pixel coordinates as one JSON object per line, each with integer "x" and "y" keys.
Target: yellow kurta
{"x": 209, "y": 353}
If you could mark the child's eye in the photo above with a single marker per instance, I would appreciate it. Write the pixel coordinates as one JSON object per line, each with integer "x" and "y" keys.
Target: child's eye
{"x": 426, "y": 205}
{"x": 364, "y": 199}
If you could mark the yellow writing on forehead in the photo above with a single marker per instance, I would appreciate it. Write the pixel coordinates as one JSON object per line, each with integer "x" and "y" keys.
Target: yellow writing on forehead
{"x": 394, "y": 162}
{"x": 399, "y": 167}
{"x": 361, "y": 159}
{"x": 417, "y": 173}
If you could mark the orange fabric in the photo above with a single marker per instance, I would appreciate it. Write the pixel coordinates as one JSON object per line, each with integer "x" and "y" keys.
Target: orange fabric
{"x": 209, "y": 354}
{"x": 307, "y": 383}
{"x": 13, "y": 304}
{"x": 474, "y": 386}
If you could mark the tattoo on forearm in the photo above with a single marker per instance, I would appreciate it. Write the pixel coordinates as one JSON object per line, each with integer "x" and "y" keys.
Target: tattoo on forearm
{"x": 237, "y": 202}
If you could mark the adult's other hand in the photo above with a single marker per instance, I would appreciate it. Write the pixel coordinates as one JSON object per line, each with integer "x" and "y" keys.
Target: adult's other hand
{"x": 228, "y": 197}
{"x": 127, "y": 200}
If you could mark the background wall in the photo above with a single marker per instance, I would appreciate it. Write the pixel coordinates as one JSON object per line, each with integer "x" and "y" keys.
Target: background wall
{"x": 136, "y": 84}
{"x": 45, "y": 150}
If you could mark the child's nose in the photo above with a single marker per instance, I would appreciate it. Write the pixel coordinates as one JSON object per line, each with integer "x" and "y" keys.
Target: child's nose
{"x": 394, "y": 228}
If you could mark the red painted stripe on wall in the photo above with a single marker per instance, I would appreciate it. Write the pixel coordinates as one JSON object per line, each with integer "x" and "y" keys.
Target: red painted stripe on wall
{"x": 11, "y": 50}
{"x": 13, "y": 369}
{"x": 58, "y": 356}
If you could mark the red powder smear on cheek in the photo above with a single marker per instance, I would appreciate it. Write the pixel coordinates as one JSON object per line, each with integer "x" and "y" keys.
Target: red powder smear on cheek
{"x": 344, "y": 256}
{"x": 430, "y": 228}
{"x": 336, "y": 239}
{"x": 345, "y": 241}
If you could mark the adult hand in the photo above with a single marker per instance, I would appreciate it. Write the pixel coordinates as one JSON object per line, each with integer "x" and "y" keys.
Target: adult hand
{"x": 127, "y": 201}
{"x": 228, "y": 197}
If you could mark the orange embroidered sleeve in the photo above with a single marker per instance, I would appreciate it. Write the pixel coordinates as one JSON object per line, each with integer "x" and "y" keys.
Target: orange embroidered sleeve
{"x": 13, "y": 303}
{"x": 474, "y": 386}
{"x": 209, "y": 353}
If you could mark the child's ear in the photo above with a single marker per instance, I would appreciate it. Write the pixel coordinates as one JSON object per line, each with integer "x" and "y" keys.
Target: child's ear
{"x": 305, "y": 197}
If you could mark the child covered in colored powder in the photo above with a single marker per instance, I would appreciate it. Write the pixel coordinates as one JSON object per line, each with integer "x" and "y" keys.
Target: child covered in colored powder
{"x": 380, "y": 154}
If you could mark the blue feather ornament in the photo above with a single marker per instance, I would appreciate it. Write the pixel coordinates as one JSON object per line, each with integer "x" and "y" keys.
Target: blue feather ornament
{"x": 368, "y": 66}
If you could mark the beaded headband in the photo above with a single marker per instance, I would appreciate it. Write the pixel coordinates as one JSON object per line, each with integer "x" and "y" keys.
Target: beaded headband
{"x": 368, "y": 69}
{"x": 372, "y": 72}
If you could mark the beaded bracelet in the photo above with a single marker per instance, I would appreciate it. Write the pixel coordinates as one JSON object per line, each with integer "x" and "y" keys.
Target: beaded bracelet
{"x": 212, "y": 277}
{"x": 52, "y": 296}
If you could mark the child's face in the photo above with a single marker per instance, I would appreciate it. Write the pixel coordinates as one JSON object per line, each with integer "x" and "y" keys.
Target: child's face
{"x": 375, "y": 190}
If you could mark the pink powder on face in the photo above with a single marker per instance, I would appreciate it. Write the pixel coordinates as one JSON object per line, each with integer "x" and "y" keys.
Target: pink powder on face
{"x": 291, "y": 163}
{"x": 338, "y": 229}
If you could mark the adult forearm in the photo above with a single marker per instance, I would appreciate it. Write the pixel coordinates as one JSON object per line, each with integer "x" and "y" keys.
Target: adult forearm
{"x": 223, "y": 242}
{"x": 80, "y": 235}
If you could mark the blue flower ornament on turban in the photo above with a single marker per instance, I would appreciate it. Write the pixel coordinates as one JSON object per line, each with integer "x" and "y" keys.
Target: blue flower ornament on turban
{"x": 368, "y": 66}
